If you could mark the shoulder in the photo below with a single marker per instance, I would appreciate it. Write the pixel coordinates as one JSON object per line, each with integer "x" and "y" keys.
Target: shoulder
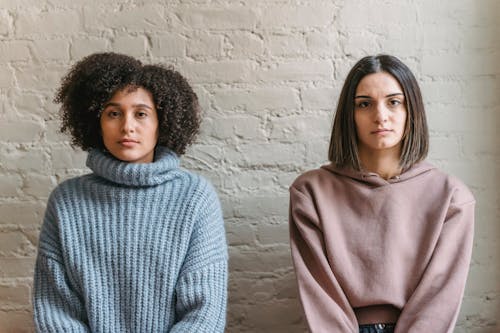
{"x": 69, "y": 188}
{"x": 459, "y": 192}
{"x": 311, "y": 179}
{"x": 199, "y": 189}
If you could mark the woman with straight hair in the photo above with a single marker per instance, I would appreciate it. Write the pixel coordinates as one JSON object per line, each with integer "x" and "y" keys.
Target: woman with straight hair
{"x": 381, "y": 239}
{"x": 138, "y": 244}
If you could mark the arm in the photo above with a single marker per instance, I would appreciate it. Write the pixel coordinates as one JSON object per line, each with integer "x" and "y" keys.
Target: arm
{"x": 435, "y": 303}
{"x": 57, "y": 307}
{"x": 326, "y": 307}
{"x": 202, "y": 285}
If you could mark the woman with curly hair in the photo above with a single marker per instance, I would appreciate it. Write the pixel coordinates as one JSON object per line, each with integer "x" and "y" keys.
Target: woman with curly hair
{"x": 138, "y": 245}
{"x": 381, "y": 239}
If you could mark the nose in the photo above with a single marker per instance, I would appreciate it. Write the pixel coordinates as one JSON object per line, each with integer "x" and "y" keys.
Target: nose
{"x": 381, "y": 113}
{"x": 128, "y": 124}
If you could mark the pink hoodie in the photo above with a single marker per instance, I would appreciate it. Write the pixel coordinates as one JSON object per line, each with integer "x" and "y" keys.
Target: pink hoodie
{"x": 369, "y": 250}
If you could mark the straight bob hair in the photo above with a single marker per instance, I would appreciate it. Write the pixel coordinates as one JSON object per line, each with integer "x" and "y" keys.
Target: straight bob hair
{"x": 343, "y": 150}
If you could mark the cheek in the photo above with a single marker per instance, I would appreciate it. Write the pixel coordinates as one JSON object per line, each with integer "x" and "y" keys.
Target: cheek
{"x": 155, "y": 130}
{"x": 359, "y": 122}
{"x": 105, "y": 129}
{"x": 402, "y": 121}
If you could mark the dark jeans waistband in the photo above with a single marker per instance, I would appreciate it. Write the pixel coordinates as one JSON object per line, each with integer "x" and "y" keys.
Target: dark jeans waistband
{"x": 377, "y": 328}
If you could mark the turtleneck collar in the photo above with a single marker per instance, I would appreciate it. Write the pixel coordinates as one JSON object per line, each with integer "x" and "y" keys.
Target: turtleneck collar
{"x": 157, "y": 172}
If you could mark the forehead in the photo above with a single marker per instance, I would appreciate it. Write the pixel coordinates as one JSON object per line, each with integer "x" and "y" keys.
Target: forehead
{"x": 132, "y": 94}
{"x": 378, "y": 83}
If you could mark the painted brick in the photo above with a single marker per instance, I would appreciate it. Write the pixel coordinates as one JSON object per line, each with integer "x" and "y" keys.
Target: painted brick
{"x": 300, "y": 128}
{"x": 56, "y": 49}
{"x": 269, "y": 234}
{"x": 14, "y": 51}
{"x": 269, "y": 154}
{"x": 29, "y": 104}
{"x": 5, "y": 22}
{"x": 14, "y": 295}
{"x": 449, "y": 92}
{"x": 20, "y": 131}
{"x": 447, "y": 148}
{"x": 320, "y": 98}
{"x": 252, "y": 181}
{"x": 287, "y": 45}
{"x": 276, "y": 315}
{"x": 362, "y": 14}
{"x": 256, "y": 99}
{"x": 242, "y": 127}
{"x": 323, "y": 43}
{"x": 16, "y": 321}
{"x": 52, "y": 133}
{"x": 6, "y": 77}
{"x": 304, "y": 70}
{"x": 204, "y": 44}
{"x": 170, "y": 45}
{"x": 38, "y": 185}
{"x": 461, "y": 64}
{"x": 464, "y": 120}
{"x": 14, "y": 243}
{"x": 477, "y": 143}
{"x": 11, "y": 267}
{"x": 218, "y": 18}
{"x": 66, "y": 158}
{"x": 258, "y": 206}
{"x": 357, "y": 44}
{"x": 133, "y": 46}
{"x": 216, "y": 72}
{"x": 39, "y": 77}
{"x": 10, "y": 185}
{"x": 148, "y": 17}
{"x": 21, "y": 213}
{"x": 206, "y": 156}
{"x": 245, "y": 44}
{"x": 33, "y": 160}
{"x": 481, "y": 93}
{"x": 303, "y": 16}
{"x": 240, "y": 234}
{"x": 47, "y": 22}
{"x": 81, "y": 47}
{"x": 268, "y": 75}
{"x": 265, "y": 260}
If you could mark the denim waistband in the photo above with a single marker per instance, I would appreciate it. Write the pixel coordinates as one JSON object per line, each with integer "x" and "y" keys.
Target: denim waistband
{"x": 377, "y": 328}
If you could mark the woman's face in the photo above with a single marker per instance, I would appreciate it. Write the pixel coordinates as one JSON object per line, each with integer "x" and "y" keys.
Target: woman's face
{"x": 129, "y": 125}
{"x": 379, "y": 113}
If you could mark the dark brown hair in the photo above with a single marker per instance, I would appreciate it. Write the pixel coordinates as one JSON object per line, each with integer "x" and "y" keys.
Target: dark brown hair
{"x": 343, "y": 150}
{"x": 93, "y": 81}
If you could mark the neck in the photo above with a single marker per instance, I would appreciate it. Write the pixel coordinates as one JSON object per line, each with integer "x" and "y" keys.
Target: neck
{"x": 385, "y": 163}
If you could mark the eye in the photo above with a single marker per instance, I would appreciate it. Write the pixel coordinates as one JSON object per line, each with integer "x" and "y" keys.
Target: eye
{"x": 363, "y": 104}
{"x": 395, "y": 102}
{"x": 113, "y": 114}
{"x": 141, "y": 114}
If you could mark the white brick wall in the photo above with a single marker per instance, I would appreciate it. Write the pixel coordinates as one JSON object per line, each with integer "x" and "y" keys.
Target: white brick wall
{"x": 268, "y": 73}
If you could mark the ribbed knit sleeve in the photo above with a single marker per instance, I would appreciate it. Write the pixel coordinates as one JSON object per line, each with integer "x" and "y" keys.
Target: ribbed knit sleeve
{"x": 202, "y": 286}
{"x": 57, "y": 306}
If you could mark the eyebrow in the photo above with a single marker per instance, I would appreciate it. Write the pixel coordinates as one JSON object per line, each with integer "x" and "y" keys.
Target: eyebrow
{"x": 390, "y": 95}
{"x": 140, "y": 105}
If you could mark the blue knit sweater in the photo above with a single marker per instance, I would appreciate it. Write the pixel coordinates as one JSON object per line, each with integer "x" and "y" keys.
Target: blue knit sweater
{"x": 132, "y": 248}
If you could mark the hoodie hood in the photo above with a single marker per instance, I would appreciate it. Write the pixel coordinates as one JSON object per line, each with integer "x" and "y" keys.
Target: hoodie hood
{"x": 373, "y": 179}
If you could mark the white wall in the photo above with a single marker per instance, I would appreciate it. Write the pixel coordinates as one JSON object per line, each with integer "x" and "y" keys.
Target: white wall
{"x": 268, "y": 73}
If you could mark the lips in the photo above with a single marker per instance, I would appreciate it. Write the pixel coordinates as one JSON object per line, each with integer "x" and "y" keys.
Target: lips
{"x": 128, "y": 142}
{"x": 381, "y": 131}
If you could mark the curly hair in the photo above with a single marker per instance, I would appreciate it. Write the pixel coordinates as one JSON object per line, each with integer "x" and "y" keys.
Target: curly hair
{"x": 94, "y": 80}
